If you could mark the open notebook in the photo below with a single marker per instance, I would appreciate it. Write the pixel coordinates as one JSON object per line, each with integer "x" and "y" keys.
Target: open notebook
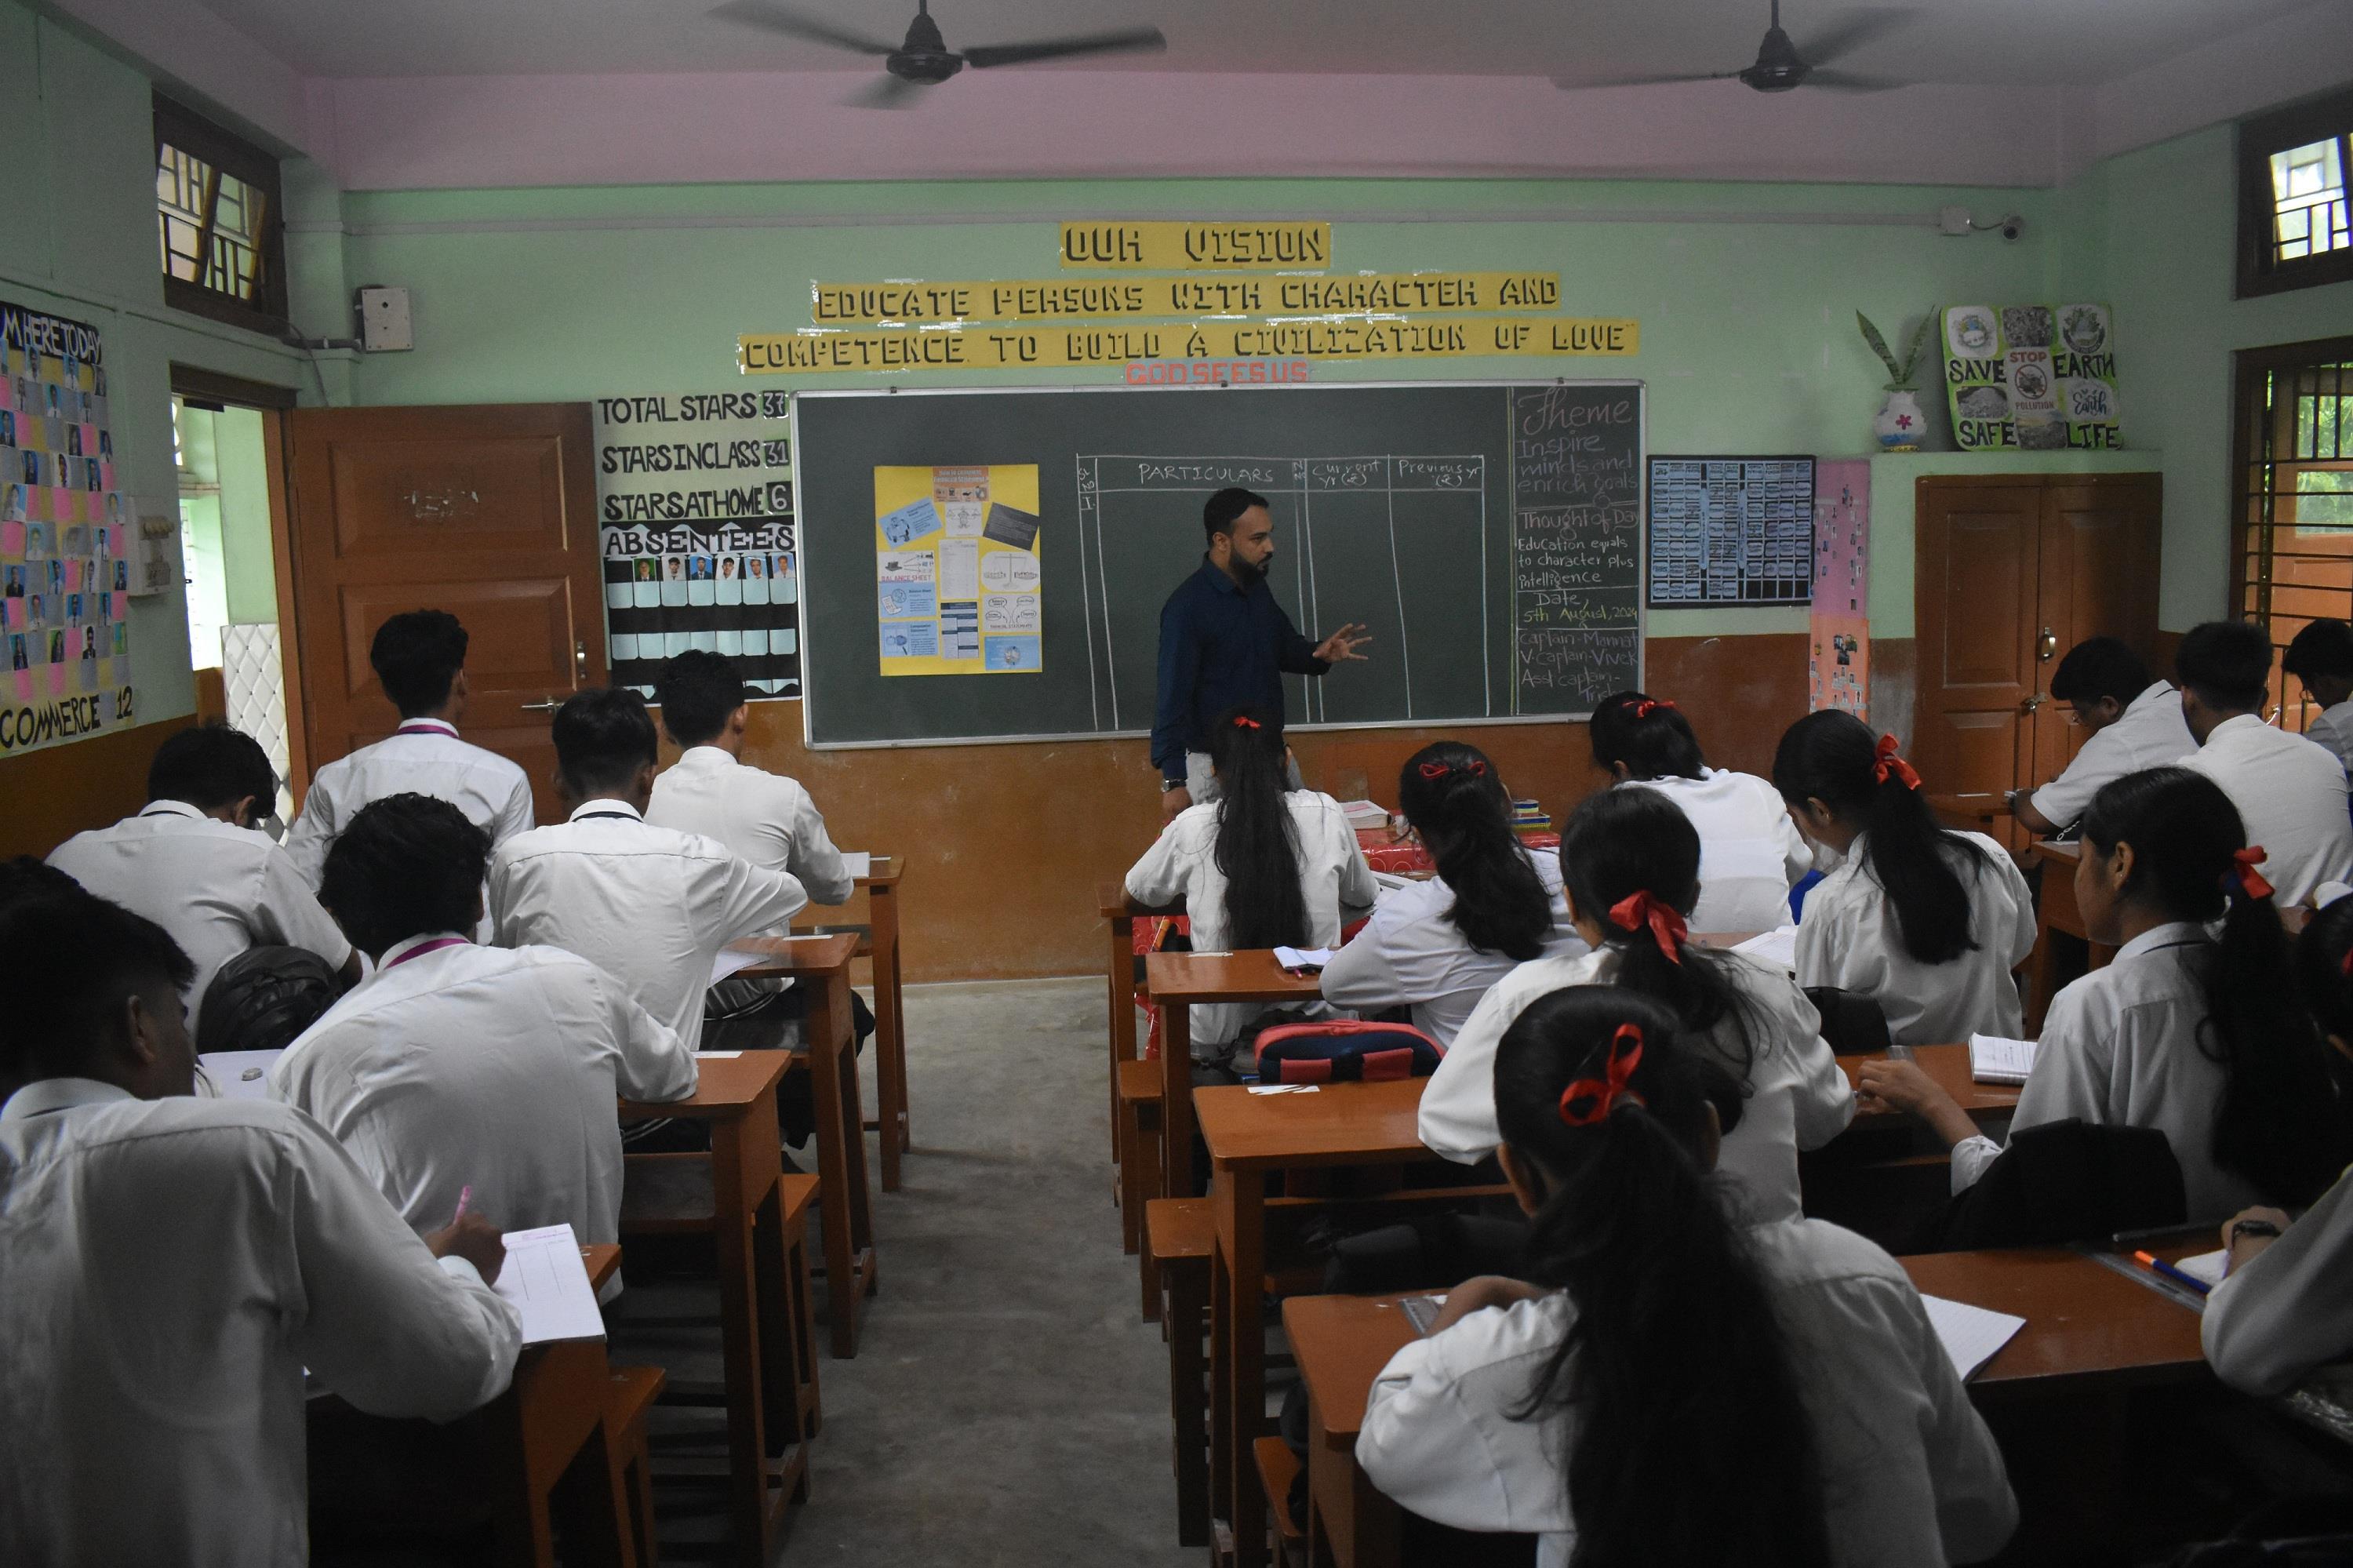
{"x": 1994, "y": 1060}
{"x": 1971, "y": 1336}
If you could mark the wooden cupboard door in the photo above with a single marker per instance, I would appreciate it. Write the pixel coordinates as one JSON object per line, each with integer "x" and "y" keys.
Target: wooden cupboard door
{"x": 1977, "y": 559}
{"x": 488, "y": 512}
{"x": 2100, "y": 554}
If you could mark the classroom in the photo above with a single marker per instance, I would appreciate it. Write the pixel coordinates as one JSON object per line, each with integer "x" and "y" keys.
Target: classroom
{"x": 1298, "y": 699}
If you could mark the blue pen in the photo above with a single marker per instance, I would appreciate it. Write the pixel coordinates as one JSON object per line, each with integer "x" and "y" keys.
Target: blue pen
{"x": 2179, "y": 1277}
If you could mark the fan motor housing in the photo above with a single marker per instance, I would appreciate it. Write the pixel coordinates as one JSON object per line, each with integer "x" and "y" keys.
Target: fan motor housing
{"x": 924, "y": 64}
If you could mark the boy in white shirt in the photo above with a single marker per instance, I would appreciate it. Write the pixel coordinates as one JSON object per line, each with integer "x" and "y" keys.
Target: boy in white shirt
{"x": 419, "y": 656}
{"x": 2290, "y": 791}
{"x": 2130, "y": 722}
{"x": 174, "y": 1264}
{"x": 2321, "y": 656}
{"x": 455, "y": 1068}
{"x": 190, "y": 861}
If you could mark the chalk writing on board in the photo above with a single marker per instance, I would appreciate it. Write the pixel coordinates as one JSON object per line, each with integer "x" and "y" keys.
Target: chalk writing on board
{"x": 1576, "y": 545}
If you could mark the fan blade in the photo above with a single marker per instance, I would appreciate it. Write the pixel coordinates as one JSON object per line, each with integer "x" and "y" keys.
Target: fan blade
{"x": 777, "y": 19}
{"x": 1128, "y": 40}
{"x": 1848, "y": 81}
{"x": 886, "y": 91}
{"x": 1851, "y": 32}
{"x": 1568, "y": 84}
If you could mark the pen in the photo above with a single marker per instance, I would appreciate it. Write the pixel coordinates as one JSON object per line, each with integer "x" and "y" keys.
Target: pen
{"x": 468, "y": 1196}
{"x": 2179, "y": 1277}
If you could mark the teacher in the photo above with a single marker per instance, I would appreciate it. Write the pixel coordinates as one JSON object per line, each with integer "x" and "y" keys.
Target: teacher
{"x": 1226, "y": 643}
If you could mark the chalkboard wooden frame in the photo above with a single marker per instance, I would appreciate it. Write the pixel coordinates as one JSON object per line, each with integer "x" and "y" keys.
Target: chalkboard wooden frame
{"x": 1500, "y": 534}
{"x": 1706, "y": 600}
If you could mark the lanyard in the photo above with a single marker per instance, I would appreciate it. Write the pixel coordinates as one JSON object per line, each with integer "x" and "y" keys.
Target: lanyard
{"x": 440, "y": 729}
{"x": 423, "y": 948}
{"x": 608, "y": 817}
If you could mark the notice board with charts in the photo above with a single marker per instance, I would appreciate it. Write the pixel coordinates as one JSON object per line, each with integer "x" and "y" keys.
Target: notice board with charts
{"x": 1731, "y": 530}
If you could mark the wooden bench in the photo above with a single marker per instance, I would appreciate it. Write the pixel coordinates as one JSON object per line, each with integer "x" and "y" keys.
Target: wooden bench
{"x": 630, "y": 1395}
{"x": 1278, "y": 1467}
{"x": 1136, "y": 1132}
{"x": 1181, "y": 1235}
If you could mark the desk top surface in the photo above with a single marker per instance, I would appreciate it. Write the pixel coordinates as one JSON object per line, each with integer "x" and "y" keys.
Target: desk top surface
{"x": 602, "y": 1259}
{"x": 1949, "y": 1065}
{"x": 1247, "y": 975}
{"x": 1342, "y": 1343}
{"x": 1337, "y": 1124}
{"x": 882, "y": 870}
{"x": 723, "y": 1084}
{"x": 790, "y": 957}
{"x": 2065, "y": 854}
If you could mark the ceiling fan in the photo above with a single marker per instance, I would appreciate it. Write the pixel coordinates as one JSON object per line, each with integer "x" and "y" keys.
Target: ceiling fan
{"x": 925, "y": 59}
{"x": 1779, "y": 67}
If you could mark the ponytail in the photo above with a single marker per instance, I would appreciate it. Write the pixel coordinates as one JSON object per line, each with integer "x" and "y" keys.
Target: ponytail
{"x": 1634, "y": 849}
{"x": 2277, "y": 1124}
{"x": 1647, "y": 735}
{"x": 1257, "y": 849}
{"x": 1687, "y": 1437}
{"x": 1831, "y": 756}
{"x": 1450, "y": 794}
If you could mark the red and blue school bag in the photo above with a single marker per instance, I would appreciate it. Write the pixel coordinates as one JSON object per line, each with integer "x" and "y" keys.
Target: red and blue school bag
{"x": 1345, "y": 1050}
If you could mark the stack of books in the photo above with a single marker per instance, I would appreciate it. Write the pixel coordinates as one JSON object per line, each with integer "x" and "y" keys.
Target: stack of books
{"x": 1527, "y": 817}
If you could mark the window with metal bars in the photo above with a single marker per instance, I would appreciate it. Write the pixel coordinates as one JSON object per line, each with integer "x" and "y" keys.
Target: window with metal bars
{"x": 2294, "y": 228}
{"x": 217, "y": 220}
{"x": 2294, "y": 457}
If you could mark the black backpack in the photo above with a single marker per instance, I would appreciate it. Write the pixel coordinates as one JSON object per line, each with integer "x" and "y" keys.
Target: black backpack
{"x": 2067, "y": 1182}
{"x": 264, "y": 997}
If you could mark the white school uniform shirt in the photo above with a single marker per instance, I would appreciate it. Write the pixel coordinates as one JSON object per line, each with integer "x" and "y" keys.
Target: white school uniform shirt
{"x": 762, "y": 817}
{"x": 1183, "y": 864}
{"x": 2334, "y": 729}
{"x": 2291, "y": 794}
{"x": 1750, "y": 853}
{"x": 173, "y": 1266}
{"x": 424, "y": 756}
{"x": 1850, "y": 938}
{"x": 2275, "y": 1319}
{"x": 649, "y": 906}
{"x": 1910, "y": 1473}
{"x": 2120, "y": 1048}
{"x": 1409, "y": 954}
{"x": 453, "y": 1066}
{"x": 1796, "y": 1097}
{"x": 2150, "y": 733}
{"x": 218, "y": 889}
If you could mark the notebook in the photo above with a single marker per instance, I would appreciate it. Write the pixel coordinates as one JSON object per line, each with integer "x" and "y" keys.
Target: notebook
{"x": 860, "y": 863}
{"x": 1971, "y": 1336}
{"x": 547, "y": 1281}
{"x": 1779, "y": 949}
{"x": 727, "y": 962}
{"x": 1994, "y": 1060}
{"x": 1302, "y": 958}
{"x": 1421, "y": 1311}
{"x": 1365, "y": 814}
{"x": 2209, "y": 1266}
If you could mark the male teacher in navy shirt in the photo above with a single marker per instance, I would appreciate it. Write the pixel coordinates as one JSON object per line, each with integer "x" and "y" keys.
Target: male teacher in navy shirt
{"x": 1226, "y": 643}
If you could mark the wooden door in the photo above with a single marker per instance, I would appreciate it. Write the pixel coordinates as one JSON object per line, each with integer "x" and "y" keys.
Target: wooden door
{"x": 1977, "y": 559}
{"x": 488, "y": 512}
{"x": 2100, "y": 551}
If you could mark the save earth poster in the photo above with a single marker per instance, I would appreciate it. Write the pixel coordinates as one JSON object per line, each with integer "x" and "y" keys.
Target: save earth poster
{"x": 2031, "y": 377}
{"x": 957, "y": 570}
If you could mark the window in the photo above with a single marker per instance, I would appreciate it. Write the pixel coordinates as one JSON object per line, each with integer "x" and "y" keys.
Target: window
{"x": 217, "y": 222}
{"x": 2295, "y": 458}
{"x": 2292, "y": 228}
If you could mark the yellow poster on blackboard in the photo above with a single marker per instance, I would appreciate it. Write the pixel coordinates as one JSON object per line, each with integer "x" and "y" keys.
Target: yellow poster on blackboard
{"x": 957, "y": 585}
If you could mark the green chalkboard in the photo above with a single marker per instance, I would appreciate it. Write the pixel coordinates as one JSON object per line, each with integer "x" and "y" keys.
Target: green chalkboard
{"x": 1488, "y": 534}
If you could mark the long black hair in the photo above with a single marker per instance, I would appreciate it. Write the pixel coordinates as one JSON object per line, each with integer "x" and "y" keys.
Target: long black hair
{"x": 1450, "y": 793}
{"x": 1689, "y": 1442}
{"x": 1648, "y": 734}
{"x": 2277, "y": 1124}
{"x": 1621, "y": 844}
{"x": 1258, "y": 847}
{"x": 1831, "y": 756}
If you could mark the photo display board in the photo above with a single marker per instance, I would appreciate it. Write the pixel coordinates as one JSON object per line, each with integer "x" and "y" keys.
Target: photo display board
{"x": 1731, "y": 530}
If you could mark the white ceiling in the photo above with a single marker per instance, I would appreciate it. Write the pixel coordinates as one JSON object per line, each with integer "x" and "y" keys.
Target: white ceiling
{"x": 2015, "y": 42}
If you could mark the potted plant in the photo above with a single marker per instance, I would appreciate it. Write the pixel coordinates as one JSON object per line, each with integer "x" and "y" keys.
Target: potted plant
{"x": 1900, "y": 421}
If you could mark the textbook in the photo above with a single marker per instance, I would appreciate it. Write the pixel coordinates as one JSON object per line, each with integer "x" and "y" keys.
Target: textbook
{"x": 1777, "y": 949}
{"x": 1363, "y": 814}
{"x": 1971, "y": 1336}
{"x": 1994, "y": 1060}
{"x": 1311, "y": 959}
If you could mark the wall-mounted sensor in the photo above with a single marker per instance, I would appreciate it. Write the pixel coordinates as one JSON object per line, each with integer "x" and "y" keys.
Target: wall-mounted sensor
{"x": 385, "y": 323}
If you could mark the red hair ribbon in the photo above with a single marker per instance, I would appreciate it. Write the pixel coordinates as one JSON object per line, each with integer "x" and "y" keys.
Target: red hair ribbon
{"x": 1244, "y": 721}
{"x": 2243, "y": 874}
{"x": 1647, "y": 908}
{"x": 1649, "y": 705}
{"x": 1884, "y": 762}
{"x": 2345, "y": 967}
{"x": 1601, "y": 1096}
{"x": 1476, "y": 768}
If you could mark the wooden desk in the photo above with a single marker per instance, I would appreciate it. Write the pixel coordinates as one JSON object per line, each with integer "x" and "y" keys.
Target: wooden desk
{"x": 1122, "y": 913}
{"x": 601, "y": 1259}
{"x": 1176, "y": 982}
{"x": 1979, "y": 813}
{"x": 829, "y": 1051}
{"x": 1949, "y": 1065}
{"x": 2056, "y": 911}
{"x": 1249, "y": 1136}
{"x": 878, "y": 941}
{"x": 2088, "y": 1329}
{"x": 1341, "y": 1343}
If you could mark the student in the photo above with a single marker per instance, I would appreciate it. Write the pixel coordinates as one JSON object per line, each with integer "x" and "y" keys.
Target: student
{"x": 1750, "y": 853}
{"x": 2197, "y": 1037}
{"x": 2321, "y": 656}
{"x": 2283, "y": 1310}
{"x": 419, "y": 657}
{"x": 1631, "y": 861}
{"x": 1259, "y": 866}
{"x": 1665, "y": 1384}
{"x": 2290, "y": 791}
{"x": 174, "y": 1264}
{"x": 455, "y": 1068}
{"x": 192, "y": 861}
{"x": 2129, "y": 721}
{"x": 1927, "y": 922}
{"x": 764, "y": 818}
{"x": 650, "y": 907}
{"x": 1436, "y": 945}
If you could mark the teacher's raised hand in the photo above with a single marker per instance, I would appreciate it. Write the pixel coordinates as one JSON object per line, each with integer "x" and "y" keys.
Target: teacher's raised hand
{"x": 1341, "y": 645}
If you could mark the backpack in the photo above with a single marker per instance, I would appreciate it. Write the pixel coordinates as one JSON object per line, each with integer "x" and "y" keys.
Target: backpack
{"x": 2066, "y": 1181}
{"x": 264, "y": 997}
{"x": 1345, "y": 1050}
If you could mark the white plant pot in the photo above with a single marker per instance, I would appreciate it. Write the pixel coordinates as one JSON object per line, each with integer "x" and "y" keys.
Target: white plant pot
{"x": 1900, "y": 423}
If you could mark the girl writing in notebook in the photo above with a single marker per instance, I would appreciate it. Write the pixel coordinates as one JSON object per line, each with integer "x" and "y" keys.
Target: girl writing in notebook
{"x": 1666, "y": 1385}
{"x": 1436, "y": 945}
{"x": 1751, "y": 853}
{"x": 1631, "y": 860}
{"x": 2196, "y": 1035}
{"x": 1927, "y": 922}
{"x": 1259, "y": 866}
{"x": 2282, "y": 1309}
